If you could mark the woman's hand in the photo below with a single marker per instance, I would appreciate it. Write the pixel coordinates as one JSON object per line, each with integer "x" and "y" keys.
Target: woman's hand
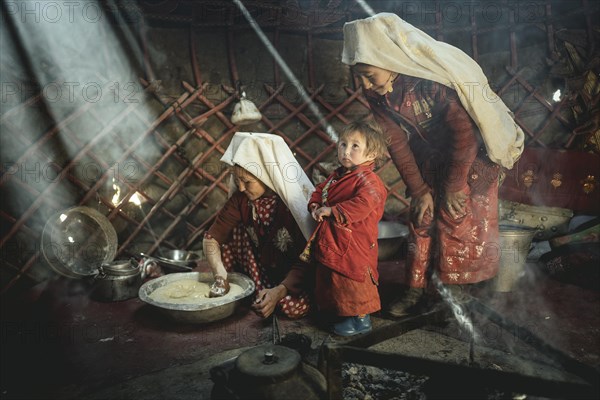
{"x": 319, "y": 213}
{"x": 419, "y": 206}
{"x": 267, "y": 300}
{"x": 455, "y": 204}
{"x": 212, "y": 252}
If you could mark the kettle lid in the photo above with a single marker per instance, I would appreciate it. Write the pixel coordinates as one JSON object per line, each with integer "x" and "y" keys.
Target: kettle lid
{"x": 120, "y": 268}
{"x": 268, "y": 361}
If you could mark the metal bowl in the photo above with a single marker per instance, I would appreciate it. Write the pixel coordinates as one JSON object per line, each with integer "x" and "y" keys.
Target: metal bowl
{"x": 176, "y": 260}
{"x": 390, "y": 238}
{"x": 183, "y": 257}
{"x": 211, "y": 310}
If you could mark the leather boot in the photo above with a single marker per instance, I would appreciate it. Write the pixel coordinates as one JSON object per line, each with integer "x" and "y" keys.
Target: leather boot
{"x": 220, "y": 287}
{"x": 407, "y": 304}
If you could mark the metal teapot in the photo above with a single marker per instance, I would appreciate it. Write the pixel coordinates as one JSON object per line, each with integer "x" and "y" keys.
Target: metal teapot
{"x": 117, "y": 280}
{"x": 268, "y": 372}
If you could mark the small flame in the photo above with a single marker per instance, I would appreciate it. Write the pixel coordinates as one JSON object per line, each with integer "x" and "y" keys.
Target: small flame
{"x": 556, "y": 96}
{"x": 117, "y": 195}
{"x": 135, "y": 199}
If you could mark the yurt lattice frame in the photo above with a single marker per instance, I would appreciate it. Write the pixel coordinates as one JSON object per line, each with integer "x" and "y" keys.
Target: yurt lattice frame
{"x": 189, "y": 131}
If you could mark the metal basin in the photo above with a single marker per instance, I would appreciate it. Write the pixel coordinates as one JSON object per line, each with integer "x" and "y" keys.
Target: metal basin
{"x": 182, "y": 257}
{"x": 176, "y": 260}
{"x": 390, "y": 238}
{"x": 207, "y": 311}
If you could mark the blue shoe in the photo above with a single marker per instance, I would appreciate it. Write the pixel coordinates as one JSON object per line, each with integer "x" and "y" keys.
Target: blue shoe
{"x": 351, "y": 326}
{"x": 362, "y": 324}
{"x": 345, "y": 327}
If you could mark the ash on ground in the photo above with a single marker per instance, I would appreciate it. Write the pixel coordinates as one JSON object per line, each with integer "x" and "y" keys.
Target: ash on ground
{"x": 364, "y": 382}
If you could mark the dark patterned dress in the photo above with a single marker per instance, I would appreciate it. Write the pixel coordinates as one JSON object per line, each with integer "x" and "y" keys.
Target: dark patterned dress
{"x": 261, "y": 239}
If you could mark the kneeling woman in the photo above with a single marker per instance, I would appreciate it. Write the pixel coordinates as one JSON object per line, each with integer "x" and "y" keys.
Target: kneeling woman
{"x": 262, "y": 228}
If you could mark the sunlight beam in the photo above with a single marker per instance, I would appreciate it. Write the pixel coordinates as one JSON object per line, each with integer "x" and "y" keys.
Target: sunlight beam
{"x": 287, "y": 71}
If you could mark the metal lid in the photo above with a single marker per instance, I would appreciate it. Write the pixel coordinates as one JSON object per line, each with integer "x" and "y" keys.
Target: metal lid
{"x": 120, "y": 268}
{"x": 75, "y": 242}
{"x": 268, "y": 361}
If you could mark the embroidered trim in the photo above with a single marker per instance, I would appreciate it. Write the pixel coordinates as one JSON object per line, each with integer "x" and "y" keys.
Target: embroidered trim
{"x": 282, "y": 240}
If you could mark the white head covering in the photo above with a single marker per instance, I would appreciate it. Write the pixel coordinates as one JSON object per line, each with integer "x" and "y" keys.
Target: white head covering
{"x": 386, "y": 41}
{"x": 269, "y": 158}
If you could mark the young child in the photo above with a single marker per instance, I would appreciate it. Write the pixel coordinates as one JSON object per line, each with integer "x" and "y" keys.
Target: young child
{"x": 348, "y": 206}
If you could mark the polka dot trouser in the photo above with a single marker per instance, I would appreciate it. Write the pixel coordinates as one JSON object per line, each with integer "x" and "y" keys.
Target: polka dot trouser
{"x": 239, "y": 252}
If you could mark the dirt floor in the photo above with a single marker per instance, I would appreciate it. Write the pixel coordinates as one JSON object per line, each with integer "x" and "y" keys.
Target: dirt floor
{"x": 57, "y": 343}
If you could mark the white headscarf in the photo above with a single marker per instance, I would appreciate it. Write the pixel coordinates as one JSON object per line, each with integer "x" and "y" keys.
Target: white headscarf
{"x": 269, "y": 158}
{"x": 386, "y": 41}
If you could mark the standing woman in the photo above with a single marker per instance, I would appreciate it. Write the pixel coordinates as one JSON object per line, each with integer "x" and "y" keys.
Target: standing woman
{"x": 449, "y": 137}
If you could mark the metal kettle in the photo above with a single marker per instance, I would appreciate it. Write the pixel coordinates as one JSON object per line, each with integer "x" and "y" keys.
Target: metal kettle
{"x": 117, "y": 280}
{"x": 269, "y": 372}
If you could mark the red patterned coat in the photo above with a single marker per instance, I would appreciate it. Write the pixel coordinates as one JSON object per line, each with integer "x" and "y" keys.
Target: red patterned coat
{"x": 345, "y": 245}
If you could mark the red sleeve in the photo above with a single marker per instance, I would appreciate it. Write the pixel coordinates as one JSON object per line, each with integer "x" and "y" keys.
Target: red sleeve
{"x": 228, "y": 218}
{"x": 317, "y": 195}
{"x": 370, "y": 194}
{"x": 464, "y": 142}
{"x": 400, "y": 152}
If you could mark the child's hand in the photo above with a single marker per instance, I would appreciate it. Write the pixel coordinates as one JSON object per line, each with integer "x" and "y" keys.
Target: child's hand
{"x": 313, "y": 208}
{"x": 321, "y": 212}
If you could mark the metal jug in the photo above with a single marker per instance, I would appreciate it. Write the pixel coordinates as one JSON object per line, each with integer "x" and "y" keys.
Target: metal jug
{"x": 117, "y": 280}
{"x": 515, "y": 243}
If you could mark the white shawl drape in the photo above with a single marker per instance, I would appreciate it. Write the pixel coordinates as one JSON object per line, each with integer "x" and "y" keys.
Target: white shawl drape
{"x": 269, "y": 158}
{"x": 386, "y": 41}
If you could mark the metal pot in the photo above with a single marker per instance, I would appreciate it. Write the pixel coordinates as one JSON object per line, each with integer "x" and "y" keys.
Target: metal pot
{"x": 268, "y": 372}
{"x": 391, "y": 237}
{"x": 117, "y": 280}
{"x": 515, "y": 243}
